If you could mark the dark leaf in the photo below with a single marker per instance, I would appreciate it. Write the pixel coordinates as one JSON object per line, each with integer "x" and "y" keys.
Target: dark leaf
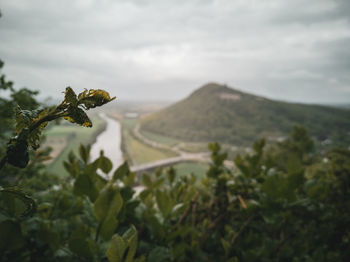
{"x": 80, "y": 244}
{"x": 17, "y": 153}
{"x": 78, "y": 116}
{"x": 11, "y": 237}
{"x": 121, "y": 171}
{"x": 93, "y": 98}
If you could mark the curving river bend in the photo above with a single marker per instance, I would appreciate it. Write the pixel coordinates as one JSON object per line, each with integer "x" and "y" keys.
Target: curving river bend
{"x": 110, "y": 142}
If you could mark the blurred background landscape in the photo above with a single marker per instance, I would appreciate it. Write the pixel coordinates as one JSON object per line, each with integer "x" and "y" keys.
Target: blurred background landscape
{"x": 187, "y": 73}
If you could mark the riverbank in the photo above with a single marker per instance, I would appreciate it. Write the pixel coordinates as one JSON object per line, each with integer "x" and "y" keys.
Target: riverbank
{"x": 109, "y": 141}
{"x": 71, "y": 136}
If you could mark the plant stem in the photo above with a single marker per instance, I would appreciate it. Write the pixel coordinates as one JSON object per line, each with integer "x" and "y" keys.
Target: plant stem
{"x": 3, "y": 162}
{"x": 98, "y": 231}
{"x": 47, "y": 118}
{"x": 246, "y": 223}
{"x": 188, "y": 209}
{"x": 35, "y": 125}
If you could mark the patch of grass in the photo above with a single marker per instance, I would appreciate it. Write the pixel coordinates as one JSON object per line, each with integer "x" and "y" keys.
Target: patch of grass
{"x": 136, "y": 151}
{"x": 160, "y": 138}
{"x": 194, "y": 147}
{"x": 185, "y": 169}
{"x": 74, "y": 136}
{"x": 129, "y": 124}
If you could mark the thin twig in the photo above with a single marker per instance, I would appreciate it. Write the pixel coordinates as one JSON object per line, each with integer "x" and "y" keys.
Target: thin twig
{"x": 194, "y": 205}
{"x": 3, "y": 162}
{"x": 188, "y": 209}
{"x": 98, "y": 231}
{"x": 246, "y": 223}
{"x": 46, "y": 118}
{"x": 212, "y": 225}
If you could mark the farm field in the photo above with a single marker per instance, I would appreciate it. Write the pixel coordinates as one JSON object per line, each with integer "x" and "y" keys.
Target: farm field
{"x": 188, "y": 168}
{"x": 143, "y": 152}
{"x": 66, "y": 137}
{"x": 136, "y": 151}
{"x": 160, "y": 138}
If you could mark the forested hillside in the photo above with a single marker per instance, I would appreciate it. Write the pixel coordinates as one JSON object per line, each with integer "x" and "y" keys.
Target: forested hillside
{"x": 218, "y": 113}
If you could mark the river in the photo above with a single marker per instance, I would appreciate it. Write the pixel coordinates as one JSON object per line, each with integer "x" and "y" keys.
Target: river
{"x": 110, "y": 142}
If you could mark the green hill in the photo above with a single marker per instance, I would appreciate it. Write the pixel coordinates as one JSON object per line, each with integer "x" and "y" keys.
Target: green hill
{"x": 219, "y": 113}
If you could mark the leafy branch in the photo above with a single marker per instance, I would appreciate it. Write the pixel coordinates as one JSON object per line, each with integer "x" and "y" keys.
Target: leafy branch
{"x": 30, "y": 123}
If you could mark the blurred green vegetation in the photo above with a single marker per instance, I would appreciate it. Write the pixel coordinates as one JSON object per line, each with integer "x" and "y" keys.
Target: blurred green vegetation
{"x": 188, "y": 168}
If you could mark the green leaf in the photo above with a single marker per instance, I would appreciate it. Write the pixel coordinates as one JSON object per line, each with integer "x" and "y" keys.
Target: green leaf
{"x": 17, "y": 153}
{"x": 126, "y": 192}
{"x": 106, "y": 208}
{"x": 70, "y": 99}
{"x": 11, "y": 237}
{"x": 24, "y": 118}
{"x": 78, "y": 116}
{"x": 109, "y": 202}
{"x": 79, "y": 243}
{"x": 116, "y": 249}
{"x": 130, "y": 237}
{"x": 47, "y": 235}
{"x": 84, "y": 152}
{"x": 272, "y": 185}
{"x": 140, "y": 259}
{"x": 144, "y": 194}
{"x": 158, "y": 183}
{"x": 119, "y": 245}
{"x": 130, "y": 179}
{"x": 15, "y": 203}
{"x": 178, "y": 209}
{"x": 160, "y": 254}
{"x": 164, "y": 202}
{"x": 72, "y": 168}
{"x": 294, "y": 164}
{"x": 279, "y": 187}
{"x": 122, "y": 171}
{"x": 93, "y": 98}
{"x": 108, "y": 227}
{"x": 34, "y": 136}
{"x": 146, "y": 180}
{"x": 83, "y": 185}
{"x": 171, "y": 174}
{"x": 226, "y": 245}
{"x": 104, "y": 163}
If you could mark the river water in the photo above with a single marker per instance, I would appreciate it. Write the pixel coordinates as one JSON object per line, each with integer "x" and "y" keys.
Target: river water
{"x": 110, "y": 142}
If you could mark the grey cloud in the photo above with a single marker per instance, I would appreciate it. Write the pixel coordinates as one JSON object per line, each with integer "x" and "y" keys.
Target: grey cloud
{"x": 161, "y": 49}
{"x": 311, "y": 12}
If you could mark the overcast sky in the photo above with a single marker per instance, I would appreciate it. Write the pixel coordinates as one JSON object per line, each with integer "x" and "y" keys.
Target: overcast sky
{"x": 163, "y": 50}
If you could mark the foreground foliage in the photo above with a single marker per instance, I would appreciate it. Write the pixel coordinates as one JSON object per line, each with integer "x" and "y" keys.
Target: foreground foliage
{"x": 282, "y": 203}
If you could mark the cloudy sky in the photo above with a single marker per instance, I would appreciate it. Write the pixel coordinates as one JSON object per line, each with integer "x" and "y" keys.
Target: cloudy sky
{"x": 162, "y": 50}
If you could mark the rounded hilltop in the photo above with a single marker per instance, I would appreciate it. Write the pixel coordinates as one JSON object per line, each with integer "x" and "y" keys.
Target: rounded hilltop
{"x": 216, "y": 112}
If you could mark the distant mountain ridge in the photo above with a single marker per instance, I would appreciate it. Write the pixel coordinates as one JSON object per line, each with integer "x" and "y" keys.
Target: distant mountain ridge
{"x": 216, "y": 112}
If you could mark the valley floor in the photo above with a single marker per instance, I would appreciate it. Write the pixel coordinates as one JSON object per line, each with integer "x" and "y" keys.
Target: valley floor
{"x": 139, "y": 147}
